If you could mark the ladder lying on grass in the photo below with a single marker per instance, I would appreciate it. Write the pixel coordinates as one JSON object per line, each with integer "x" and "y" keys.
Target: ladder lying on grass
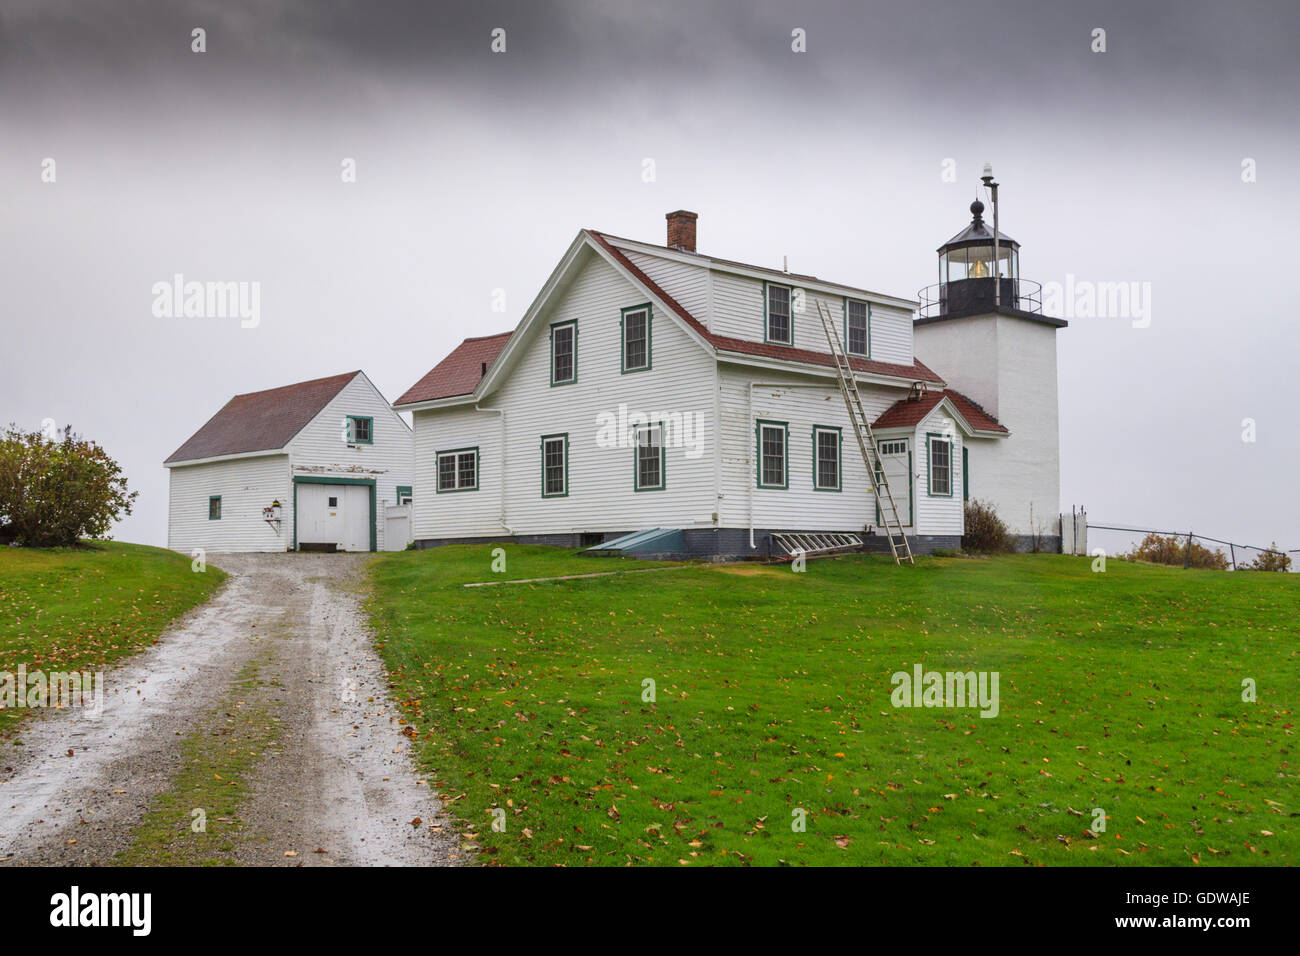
{"x": 898, "y": 545}
{"x": 807, "y": 543}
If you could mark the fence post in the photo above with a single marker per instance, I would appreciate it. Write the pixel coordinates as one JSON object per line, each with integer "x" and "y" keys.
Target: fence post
{"x": 1187, "y": 555}
{"x": 1233, "y": 551}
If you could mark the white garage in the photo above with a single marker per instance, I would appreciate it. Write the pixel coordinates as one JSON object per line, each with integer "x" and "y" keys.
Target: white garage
{"x": 320, "y": 465}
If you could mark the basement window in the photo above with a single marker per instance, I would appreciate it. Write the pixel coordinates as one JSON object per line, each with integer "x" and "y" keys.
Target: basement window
{"x": 555, "y": 466}
{"x": 214, "y": 508}
{"x": 457, "y": 470}
{"x": 650, "y": 458}
{"x": 778, "y": 315}
{"x": 564, "y": 358}
{"x": 772, "y": 447}
{"x": 826, "y": 458}
{"x": 636, "y": 338}
{"x": 857, "y": 340}
{"x": 940, "y": 466}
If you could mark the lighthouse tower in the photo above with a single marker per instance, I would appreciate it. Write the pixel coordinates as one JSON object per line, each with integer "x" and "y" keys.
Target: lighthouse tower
{"x": 983, "y": 326}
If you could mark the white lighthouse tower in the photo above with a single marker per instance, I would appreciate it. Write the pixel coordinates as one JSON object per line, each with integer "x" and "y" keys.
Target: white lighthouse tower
{"x": 982, "y": 324}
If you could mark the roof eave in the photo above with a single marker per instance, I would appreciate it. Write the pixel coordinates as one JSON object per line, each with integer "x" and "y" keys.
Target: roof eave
{"x": 445, "y": 401}
{"x": 260, "y": 453}
{"x": 824, "y": 371}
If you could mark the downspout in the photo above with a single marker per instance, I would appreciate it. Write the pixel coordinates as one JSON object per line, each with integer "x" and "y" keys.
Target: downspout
{"x": 754, "y": 443}
{"x": 717, "y": 446}
{"x": 502, "y": 412}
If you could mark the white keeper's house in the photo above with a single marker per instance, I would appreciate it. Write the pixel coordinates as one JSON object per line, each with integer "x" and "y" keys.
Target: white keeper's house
{"x": 320, "y": 465}
{"x": 652, "y": 388}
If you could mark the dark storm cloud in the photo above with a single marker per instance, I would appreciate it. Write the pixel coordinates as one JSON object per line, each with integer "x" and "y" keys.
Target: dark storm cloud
{"x": 943, "y": 57}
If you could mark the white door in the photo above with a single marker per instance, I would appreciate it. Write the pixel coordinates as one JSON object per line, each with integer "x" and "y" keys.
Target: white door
{"x": 898, "y": 471}
{"x": 334, "y": 514}
{"x": 356, "y": 518}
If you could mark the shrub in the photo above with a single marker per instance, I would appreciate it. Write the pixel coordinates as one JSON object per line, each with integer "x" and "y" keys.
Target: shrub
{"x": 53, "y": 492}
{"x": 1172, "y": 549}
{"x": 1271, "y": 560}
{"x": 985, "y": 531}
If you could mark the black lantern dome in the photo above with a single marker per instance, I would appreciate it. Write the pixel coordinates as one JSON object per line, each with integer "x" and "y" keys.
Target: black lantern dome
{"x": 968, "y": 264}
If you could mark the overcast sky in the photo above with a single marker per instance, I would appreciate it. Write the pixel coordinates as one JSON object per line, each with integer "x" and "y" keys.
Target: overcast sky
{"x": 475, "y": 169}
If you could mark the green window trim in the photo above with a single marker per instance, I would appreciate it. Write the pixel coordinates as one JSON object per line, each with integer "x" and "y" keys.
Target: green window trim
{"x": 636, "y": 458}
{"x": 839, "y": 457}
{"x": 313, "y": 480}
{"x": 404, "y": 491}
{"x": 559, "y": 436}
{"x": 649, "y": 338}
{"x": 217, "y": 500}
{"x": 759, "y": 425}
{"x": 789, "y": 312}
{"x": 352, "y": 430}
{"x": 965, "y": 473}
{"x": 929, "y": 471}
{"x": 848, "y": 347}
{"x": 455, "y": 454}
{"x": 571, "y": 324}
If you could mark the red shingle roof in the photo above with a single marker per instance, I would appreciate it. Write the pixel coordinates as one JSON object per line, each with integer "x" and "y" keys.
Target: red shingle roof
{"x": 261, "y": 421}
{"x": 908, "y": 412}
{"x": 459, "y": 372}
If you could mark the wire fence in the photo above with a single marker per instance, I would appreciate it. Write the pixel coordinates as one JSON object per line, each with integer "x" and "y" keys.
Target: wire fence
{"x": 1239, "y": 556}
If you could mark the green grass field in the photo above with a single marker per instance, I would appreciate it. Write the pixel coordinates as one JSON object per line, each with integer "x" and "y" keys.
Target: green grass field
{"x": 1120, "y": 691}
{"x": 73, "y": 609}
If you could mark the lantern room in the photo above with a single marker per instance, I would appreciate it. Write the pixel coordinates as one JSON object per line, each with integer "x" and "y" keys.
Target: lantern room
{"x": 979, "y": 271}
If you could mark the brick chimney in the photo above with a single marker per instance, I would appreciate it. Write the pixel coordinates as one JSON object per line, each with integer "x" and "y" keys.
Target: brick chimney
{"x": 681, "y": 230}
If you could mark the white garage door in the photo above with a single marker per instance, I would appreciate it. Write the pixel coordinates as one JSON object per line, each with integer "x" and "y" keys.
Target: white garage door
{"x": 334, "y": 514}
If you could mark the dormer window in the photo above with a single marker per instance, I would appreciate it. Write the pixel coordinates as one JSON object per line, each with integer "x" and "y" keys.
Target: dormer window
{"x": 779, "y": 328}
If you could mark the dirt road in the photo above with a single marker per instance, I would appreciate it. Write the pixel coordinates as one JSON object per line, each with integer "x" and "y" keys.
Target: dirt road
{"x": 276, "y": 676}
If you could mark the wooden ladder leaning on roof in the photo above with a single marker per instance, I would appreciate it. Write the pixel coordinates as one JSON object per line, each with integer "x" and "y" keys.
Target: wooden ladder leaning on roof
{"x": 898, "y": 545}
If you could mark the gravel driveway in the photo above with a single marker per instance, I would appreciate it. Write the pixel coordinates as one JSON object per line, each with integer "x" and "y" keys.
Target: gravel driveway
{"x": 340, "y": 786}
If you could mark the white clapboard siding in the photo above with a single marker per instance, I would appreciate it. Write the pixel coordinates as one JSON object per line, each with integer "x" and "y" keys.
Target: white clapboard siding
{"x": 319, "y": 449}
{"x": 775, "y": 399}
{"x": 457, "y": 514}
{"x": 601, "y": 494}
{"x": 246, "y": 486}
{"x": 891, "y": 334}
{"x": 686, "y": 282}
{"x": 938, "y": 514}
{"x": 738, "y": 310}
